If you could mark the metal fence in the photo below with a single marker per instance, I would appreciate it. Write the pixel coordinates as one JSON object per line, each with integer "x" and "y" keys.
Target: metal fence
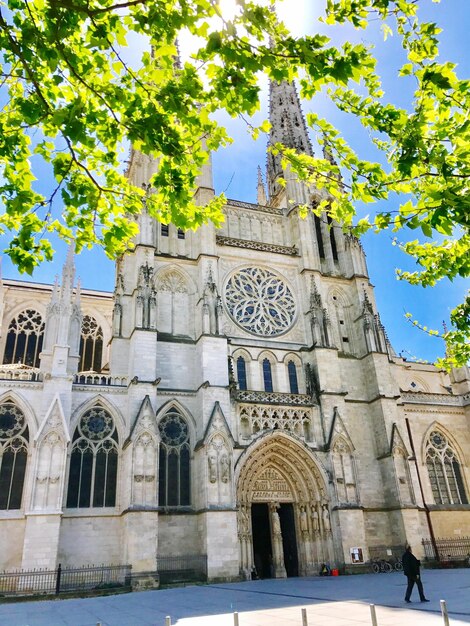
{"x": 185, "y": 568}
{"x": 64, "y": 579}
{"x": 455, "y": 549}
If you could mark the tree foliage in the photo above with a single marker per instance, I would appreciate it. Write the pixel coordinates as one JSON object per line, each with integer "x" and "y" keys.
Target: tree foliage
{"x": 73, "y": 100}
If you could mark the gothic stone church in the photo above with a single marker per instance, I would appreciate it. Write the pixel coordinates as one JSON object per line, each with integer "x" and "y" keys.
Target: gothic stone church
{"x": 235, "y": 397}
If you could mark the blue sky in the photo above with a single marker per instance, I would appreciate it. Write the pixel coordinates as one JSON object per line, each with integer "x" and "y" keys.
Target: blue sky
{"x": 235, "y": 173}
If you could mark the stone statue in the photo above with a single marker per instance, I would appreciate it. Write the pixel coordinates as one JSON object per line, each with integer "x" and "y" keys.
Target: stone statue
{"x": 276, "y": 523}
{"x": 303, "y": 520}
{"x": 244, "y": 522}
{"x": 212, "y": 462}
{"x": 326, "y": 518}
{"x": 316, "y": 525}
{"x": 224, "y": 467}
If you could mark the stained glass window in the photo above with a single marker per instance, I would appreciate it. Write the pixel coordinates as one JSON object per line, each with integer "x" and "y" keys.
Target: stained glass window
{"x": 14, "y": 439}
{"x": 260, "y": 302}
{"x": 91, "y": 345}
{"x": 267, "y": 375}
{"x": 241, "y": 373}
{"x": 444, "y": 471}
{"x": 293, "y": 383}
{"x": 174, "y": 467}
{"x": 94, "y": 461}
{"x": 24, "y": 339}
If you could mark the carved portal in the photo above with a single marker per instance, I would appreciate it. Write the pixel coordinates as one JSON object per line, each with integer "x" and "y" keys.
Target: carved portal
{"x": 281, "y": 474}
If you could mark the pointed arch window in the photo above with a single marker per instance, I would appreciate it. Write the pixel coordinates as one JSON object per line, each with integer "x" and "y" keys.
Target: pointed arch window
{"x": 444, "y": 471}
{"x": 241, "y": 373}
{"x": 91, "y": 345}
{"x": 334, "y": 248}
{"x": 318, "y": 233}
{"x": 24, "y": 339}
{"x": 267, "y": 375}
{"x": 14, "y": 440}
{"x": 174, "y": 467}
{"x": 94, "y": 461}
{"x": 293, "y": 382}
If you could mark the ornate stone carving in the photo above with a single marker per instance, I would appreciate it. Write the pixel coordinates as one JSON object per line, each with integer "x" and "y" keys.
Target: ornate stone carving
{"x": 256, "y": 418}
{"x": 272, "y": 397}
{"x": 432, "y": 398}
{"x": 172, "y": 281}
{"x": 256, "y": 245}
{"x": 254, "y": 207}
{"x": 271, "y": 485}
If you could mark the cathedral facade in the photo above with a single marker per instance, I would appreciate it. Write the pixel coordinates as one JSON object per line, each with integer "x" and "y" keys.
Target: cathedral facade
{"x": 235, "y": 397}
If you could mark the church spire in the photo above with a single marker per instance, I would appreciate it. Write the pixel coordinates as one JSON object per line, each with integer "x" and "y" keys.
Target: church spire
{"x": 68, "y": 275}
{"x": 60, "y": 354}
{"x": 287, "y": 127}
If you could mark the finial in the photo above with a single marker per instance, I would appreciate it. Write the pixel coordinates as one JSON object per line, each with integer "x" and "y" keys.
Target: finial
{"x": 261, "y": 192}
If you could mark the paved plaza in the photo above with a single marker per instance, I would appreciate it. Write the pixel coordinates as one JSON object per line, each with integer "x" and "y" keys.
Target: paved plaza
{"x": 341, "y": 601}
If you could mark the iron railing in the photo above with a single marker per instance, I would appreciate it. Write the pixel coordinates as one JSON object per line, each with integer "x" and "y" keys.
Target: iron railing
{"x": 185, "y": 568}
{"x": 451, "y": 549}
{"x": 64, "y": 579}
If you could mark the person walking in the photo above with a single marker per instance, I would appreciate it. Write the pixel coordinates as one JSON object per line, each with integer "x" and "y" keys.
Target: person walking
{"x": 411, "y": 567}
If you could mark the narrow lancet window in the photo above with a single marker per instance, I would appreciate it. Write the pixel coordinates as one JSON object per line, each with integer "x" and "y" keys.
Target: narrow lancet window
{"x": 241, "y": 373}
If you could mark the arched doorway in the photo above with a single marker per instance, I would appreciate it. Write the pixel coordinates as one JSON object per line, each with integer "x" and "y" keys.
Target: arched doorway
{"x": 284, "y": 524}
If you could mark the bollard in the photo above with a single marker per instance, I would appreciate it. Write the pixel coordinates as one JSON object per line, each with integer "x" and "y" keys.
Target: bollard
{"x": 373, "y": 616}
{"x": 235, "y": 618}
{"x": 445, "y": 615}
{"x": 167, "y": 620}
{"x": 304, "y": 617}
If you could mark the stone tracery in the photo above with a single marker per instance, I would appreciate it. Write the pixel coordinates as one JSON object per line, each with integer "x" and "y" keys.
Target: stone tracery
{"x": 260, "y": 301}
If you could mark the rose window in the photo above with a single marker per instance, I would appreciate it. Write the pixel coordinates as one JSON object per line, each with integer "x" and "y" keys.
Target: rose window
{"x": 173, "y": 429}
{"x": 260, "y": 302}
{"x": 12, "y": 421}
{"x": 96, "y": 424}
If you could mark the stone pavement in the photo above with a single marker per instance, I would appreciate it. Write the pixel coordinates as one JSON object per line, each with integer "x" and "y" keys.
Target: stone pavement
{"x": 341, "y": 601}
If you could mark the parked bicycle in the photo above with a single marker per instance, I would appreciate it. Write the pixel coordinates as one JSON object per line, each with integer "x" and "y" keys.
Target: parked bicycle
{"x": 396, "y": 563}
{"x": 381, "y": 566}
